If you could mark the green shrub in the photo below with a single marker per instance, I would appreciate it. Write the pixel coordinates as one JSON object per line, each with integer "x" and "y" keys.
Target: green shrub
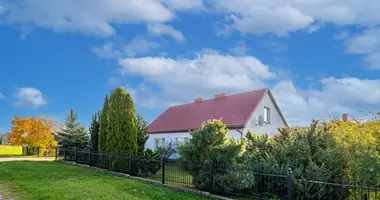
{"x": 312, "y": 154}
{"x": 235, "y": 181}
{"x": 148, "y": 164}
{"x": 167, "y": 150}
{"x": 209, "y": 145}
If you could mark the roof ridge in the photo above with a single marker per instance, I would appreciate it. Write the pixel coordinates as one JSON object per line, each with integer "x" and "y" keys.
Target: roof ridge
{"x": 214, "y": 98}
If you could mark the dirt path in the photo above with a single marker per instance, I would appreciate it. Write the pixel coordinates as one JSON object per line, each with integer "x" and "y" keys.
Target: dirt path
{"x": 1, "y": 196}
{"x": 25, "y": 159}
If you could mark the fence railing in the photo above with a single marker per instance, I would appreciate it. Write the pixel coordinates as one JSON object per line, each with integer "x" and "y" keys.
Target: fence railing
{"x": 231, "y": 181}
{"x": 38, "y": 151}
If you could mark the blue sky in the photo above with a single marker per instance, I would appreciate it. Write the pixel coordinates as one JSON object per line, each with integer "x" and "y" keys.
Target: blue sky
{"x": 320, "y": 58}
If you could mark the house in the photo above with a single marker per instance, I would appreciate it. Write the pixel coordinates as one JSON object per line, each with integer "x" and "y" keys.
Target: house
{"x": 4, "y": 139}
{"x": 255, "y": 110}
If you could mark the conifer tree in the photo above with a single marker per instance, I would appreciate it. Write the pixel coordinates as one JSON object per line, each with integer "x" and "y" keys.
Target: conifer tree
{"x": 122, "y": 135}
{"x": 103, "y": 126}
{"x": 73, "y": 134}
{"x": 94, "y": 132}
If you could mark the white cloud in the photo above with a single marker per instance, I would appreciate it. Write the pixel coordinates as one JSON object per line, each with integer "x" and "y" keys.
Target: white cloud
{"x": 284, "y": 16}
{"x": 168, "y": 81}
{"x": 184, "y": 4}
{"x": 29, "y": 97}
{"x": 276, "y": 47}
{"x": 161, "y": 29}
{"x": 258, "y": 18}
{"x": 314, "y": 28}
{"x": 334, "y": 97}
{"x": 210, "y": 72}
{"x": 2, "y": 9}
{"x": 90, "y": 17}
{"x": 139, "y": 46}
{"x": 342, "y": 35}
{"x": 240, "y": 49}
{"x": 106, "y": 51}
{"x": 366, "y": 43}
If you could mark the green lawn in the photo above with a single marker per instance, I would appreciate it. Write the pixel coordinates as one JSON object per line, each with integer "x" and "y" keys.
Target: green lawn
{"x": 52, "y": 180}
{"x": 10, "y": 150}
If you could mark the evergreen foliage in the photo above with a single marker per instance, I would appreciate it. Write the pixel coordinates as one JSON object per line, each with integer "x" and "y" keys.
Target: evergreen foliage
{"x": 312, "y": 154}
{"x": 73, "y": 134}
{"x": 94, "y": 132}
{"x": 142, "y": 135}
{"x": 122, "y": 135}
{"x": 103, "y": 126}
{"x": 209, "y": 145}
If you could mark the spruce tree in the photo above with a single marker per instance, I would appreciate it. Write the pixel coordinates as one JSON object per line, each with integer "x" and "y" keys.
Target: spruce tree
{"x": 103, "y": 126}
{"x": 122, "y": 136}
{"x": 73, "y": 134}
{"x": 94, "y": 132}
{"x": 142, "y": 135}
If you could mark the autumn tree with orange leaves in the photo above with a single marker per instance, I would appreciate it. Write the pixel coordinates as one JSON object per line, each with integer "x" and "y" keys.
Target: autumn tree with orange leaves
{"x": 32, "y": 132}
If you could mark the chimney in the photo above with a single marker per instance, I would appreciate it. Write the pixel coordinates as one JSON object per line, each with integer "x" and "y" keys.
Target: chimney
{"x": 220, "y": 95}
{"x": 198, "y": 100}
{"x": 345, "y": 117}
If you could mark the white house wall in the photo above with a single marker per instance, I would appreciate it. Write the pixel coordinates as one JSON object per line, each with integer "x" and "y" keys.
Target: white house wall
{"x": 150, "y": 143}
{"x": 275, "y": 118}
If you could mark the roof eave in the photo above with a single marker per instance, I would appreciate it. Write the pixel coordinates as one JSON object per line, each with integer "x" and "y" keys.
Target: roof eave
{"x": 179, "y": 131}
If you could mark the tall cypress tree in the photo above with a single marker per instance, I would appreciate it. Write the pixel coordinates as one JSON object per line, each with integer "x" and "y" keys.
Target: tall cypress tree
{"x": 122, "y": 136}
{"x": 103, "y": 126}
{"x": 94, "y": 132}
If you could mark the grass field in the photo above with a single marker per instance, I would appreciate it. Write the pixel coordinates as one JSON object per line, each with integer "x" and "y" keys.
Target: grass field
{"x": 52, "y": 180}
{"x": 10, "y": 150}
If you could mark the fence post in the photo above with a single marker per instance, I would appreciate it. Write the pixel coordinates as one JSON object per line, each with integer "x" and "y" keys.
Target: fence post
{"x": 211, "y": 189}
{"x": 75, "y": 155}
{"x": 163, "y": 170}
{"x": 130, "y": 164}
{"x": 89, "y": 157}
{"x": 290, "y": 184}
{"x": 56, "y": 153}
{"x": 106, "y": 161}
{"x": 64, "y": 154}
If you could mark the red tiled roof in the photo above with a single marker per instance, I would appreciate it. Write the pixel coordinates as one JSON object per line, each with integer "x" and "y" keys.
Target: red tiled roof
{"x": 235, "y": 110}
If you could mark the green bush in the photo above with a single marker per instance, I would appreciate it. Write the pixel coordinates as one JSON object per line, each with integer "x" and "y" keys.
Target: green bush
{"x": 167, "y": 150}
{"x": 235, "y": 181}
{"x": 312, "y": 154}
{"x": 209, "y": 145}
{"x": 148, "y": 164}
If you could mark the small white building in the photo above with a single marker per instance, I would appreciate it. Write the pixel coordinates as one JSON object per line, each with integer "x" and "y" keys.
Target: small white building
{"x": 4, "y": 139}
{"x": 255, "y": 110}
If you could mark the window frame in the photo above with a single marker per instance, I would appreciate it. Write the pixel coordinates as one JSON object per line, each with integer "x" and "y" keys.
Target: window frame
{"x": 267, "y": 115}
{"x": 159, "y": 142}
{"x": 185, "y": 140}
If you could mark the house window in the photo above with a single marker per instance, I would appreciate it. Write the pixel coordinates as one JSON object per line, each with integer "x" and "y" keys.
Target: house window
{"x": 181, "y": 140}
{"x": 160, "y": 142}
{"x": 266, "y": 115}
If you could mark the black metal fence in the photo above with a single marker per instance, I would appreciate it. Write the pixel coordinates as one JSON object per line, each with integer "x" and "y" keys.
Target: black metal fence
{"x": 38, "y": 151}
{"x": 230, "y": 181}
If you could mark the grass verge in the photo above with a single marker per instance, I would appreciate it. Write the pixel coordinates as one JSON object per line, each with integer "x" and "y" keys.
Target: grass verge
{"x": 52, "y": 180}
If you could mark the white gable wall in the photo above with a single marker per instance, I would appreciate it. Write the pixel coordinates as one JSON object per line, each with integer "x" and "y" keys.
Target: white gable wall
{"x": 275, "y": 119}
